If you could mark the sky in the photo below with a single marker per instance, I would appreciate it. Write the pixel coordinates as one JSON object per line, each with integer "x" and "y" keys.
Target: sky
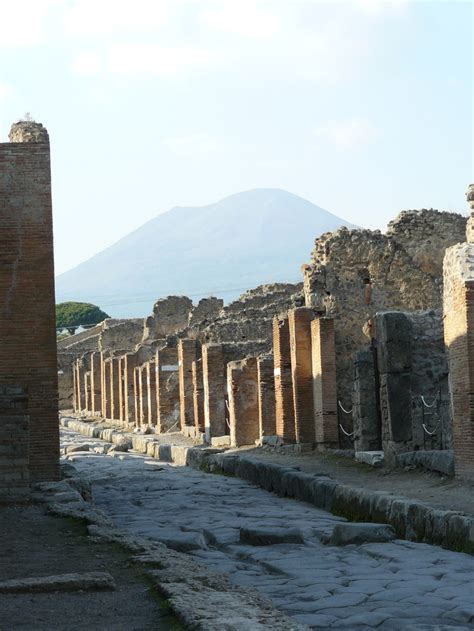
{"x": 364, "y": 108}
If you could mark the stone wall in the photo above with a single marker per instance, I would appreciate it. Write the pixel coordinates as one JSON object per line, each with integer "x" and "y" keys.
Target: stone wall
{"x": 354, "y": 274}
{"x": 27, "y": 314}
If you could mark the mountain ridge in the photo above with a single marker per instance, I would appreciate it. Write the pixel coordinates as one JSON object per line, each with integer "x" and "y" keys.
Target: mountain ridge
{"x": 243, "y": 240}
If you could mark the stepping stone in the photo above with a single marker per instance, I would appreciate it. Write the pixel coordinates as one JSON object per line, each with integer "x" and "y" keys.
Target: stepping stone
{"x": 348, "y": 533}
{"x": 270, "y": 536}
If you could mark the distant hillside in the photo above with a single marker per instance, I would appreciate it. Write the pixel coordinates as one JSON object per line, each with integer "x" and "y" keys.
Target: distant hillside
{"x": 222, "y": 249}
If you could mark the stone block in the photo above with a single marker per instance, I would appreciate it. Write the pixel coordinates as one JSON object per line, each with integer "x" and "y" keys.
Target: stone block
{"x": 359, "y": 533}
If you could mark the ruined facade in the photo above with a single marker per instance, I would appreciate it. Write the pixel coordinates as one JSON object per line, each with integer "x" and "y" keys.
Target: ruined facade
{"x": 28, "y": 361}
{"x": 354, "y": 274}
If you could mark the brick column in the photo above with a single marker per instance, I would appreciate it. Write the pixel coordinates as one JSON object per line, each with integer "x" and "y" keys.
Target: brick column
{"x": 299, "y": 321}
{"x": 458, "y": 307}
{"x": 198, "y": 395}
{"x": 167, "y": 388}
{"x": 87, "y": 391}
{"x": 95, "y": 382}
{"x": 14, "y": 443}
{"x": 214, "y": 382}
{"x": 187, "y": 353}
{"x": 116, "y": 389}
{"x": 266, "y": 396}
{"x": 28, "y": 356}
{"x": 151, "y": 389}
{"x": 108, "y": 390}
{"x": 129, "y": 363}
{"x": 242, "y": 388}
{"x": 77, "y": 400}
{"x": 284, "y": 408}
{"x": 324, "y": 382}
{"x": 136, "y": 397}
{"x": 141, "y": 394}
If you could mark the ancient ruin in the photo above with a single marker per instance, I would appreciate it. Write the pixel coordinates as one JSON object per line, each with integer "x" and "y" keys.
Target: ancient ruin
{"x": 353, "y": 358}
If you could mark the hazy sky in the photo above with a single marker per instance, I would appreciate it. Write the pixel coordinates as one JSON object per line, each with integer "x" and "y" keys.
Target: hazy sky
{"x": 365, "y": 108}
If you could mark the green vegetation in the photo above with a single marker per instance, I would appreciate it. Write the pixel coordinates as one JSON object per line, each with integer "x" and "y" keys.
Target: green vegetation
{"x": 70, "y": 315}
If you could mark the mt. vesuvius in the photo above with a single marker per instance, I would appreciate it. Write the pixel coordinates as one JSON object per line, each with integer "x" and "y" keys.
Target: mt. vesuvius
{"x": 242, "y": 241}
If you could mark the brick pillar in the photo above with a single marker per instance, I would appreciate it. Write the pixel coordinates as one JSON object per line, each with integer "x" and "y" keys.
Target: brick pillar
{"x": 87, "y": 391}
{"x": 167, "y": 388}
{"x": 116, "y": 387}
{"x": 187, "y": 353}
{"x": 242, "y": 388}
{"x": 121, "y": 401}
{"x": 198, "y": 395}
{"x": 129, "y": 363}
{"x": 79, "y": 386}
{"x": 103, "y": 387}
{"x": 458, "y": 307}
{"x": 324, "y": 382}
{"x": 28, "y": 356}
{"x": 95, "y": 383}
{"x": 214, "y": 382}
{"x": 108, "y": 392}
{"x": 284, "y": 408}
{"x": 136, "y": 397}
{"x": 141, "y": 395}
{"x": 299, "y": 321}
{"x": 76, "y": 401}
{"x": 266, "y": 396}
{"x": 152, "y": 398}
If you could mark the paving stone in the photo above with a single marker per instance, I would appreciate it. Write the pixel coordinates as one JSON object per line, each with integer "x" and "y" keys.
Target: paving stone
{"x": 269, "y": 537}
{"x": 346, "y": 534}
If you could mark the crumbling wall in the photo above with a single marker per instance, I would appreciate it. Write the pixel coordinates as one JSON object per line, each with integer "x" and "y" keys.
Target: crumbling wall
{"x": 354, "y": 274}
{"x": 125, "y": 334}
{"x": 169, "y": 316}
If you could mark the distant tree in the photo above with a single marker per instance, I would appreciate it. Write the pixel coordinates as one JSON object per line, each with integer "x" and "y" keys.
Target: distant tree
{"x": 70, "y": 315}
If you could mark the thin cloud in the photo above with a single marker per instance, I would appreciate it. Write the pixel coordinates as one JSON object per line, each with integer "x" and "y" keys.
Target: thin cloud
{"x": 246, "y": 18}
{"x": 348, "y": 134}
{"x": 86, "y": 63}
{"x": 23, "y": 22}
{"x": 198, "y": 145}
{"x": 151, "y": 59}
{"x": 108, "y": 17}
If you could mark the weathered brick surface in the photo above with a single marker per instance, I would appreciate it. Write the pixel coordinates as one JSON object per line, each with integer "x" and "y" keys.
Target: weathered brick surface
{"x": 367, "y": 424}
{"x": 324, "y": 382}
{"x": 198, "y": 395}
{"x": 14, "y": 444}
{"x": 214, "y": 381}
{"x": 284, "y": 402}
{"x": 187, "y": 353}
{"x": 242, "y": 388}
{"x": 459, "y": 336}
{"x": 167, "y": 388}
{"x": 299, "y": 320}
{"x": 27, "y": 313}
{"x": 266, "y": 396}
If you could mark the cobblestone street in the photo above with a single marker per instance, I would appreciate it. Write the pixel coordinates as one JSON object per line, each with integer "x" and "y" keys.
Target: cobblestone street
{"x": 385, "y": 586}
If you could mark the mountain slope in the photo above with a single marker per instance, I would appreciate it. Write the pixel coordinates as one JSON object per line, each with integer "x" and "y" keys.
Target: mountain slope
{"x": 222, "y": 249}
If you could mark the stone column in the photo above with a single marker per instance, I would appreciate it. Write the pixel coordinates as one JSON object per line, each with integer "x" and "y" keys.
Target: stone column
{"x": 266, "y": 396}
{"x": 87, "y": 391}
{"x": 242, "y": 388}
{"x": 152, "y": 398}
{"x": 141, "y": 394}
{"x": 136, "y": 397}
{"x": 129, "y": 363}
{"x": 116, "y": 389}
{"x": 108, "y": 392}
{"x": 284, "y": 406}
{"x": 198, "y": 396}
{"x": 458, "y": 307}
{"x": 214, "y": 382}
{"x": 167, "y": 388}
{"x": 302, "y": 373}
{"x": 187, "y": 353}
{"x": 367, "y": 429}
{"x": 394, "y": 358}
{"x": 324, "y": 382}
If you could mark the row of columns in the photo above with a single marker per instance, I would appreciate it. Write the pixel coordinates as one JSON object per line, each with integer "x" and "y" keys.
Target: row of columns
{"x": 290, "y": 395}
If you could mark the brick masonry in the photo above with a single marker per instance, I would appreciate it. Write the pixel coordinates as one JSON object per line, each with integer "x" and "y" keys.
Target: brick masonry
{"x": 266, "y": 396}
{"x": 459, "y": 337}
{"x": 187, "y": 353}
{"x": 284, "y": 405}
{"x": 14, "y": 444}
{"x": 242, "y": 388}
{"x": 27, "y": 313}
{"x": 299, "y": 321}
{"x": 214, "y": 381}
{"x": 167, "y": 388}
{"x": 198, "y": 395}
{"x": 324, "y": 382}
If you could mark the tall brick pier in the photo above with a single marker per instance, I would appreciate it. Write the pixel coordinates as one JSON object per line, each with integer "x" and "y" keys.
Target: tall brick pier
{"x": 458, "y": 307}
{"x": 28, "y": 362}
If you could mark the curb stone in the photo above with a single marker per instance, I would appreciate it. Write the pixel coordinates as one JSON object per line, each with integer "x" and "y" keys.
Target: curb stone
{"x": 411, "y": 520}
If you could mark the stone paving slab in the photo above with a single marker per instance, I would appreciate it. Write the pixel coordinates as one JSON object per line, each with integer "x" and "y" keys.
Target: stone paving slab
{"x": 369, "y": 586}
